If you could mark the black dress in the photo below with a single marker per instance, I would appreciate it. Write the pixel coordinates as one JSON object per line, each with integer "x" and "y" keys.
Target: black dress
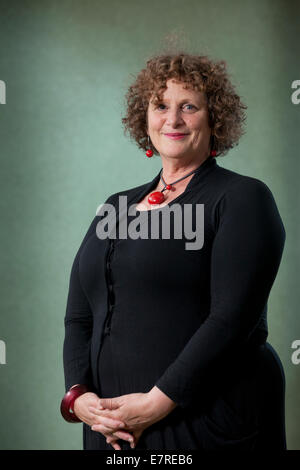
{"x": 190, "y": 321}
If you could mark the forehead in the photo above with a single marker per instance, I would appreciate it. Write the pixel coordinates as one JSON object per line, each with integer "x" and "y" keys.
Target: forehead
{"x": 181, "y": 90}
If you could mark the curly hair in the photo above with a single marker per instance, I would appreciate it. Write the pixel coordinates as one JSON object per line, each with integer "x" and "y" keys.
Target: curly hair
{"x": 200, "y": 73}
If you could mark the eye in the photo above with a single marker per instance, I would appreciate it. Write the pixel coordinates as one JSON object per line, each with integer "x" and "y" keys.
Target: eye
{"x": 189, "y": 107}
{"x": 161, "y": 107}
{"x": 186, "y": 107}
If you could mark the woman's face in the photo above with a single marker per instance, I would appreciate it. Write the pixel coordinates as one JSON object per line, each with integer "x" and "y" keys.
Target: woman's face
{"x": 178, "y": 125}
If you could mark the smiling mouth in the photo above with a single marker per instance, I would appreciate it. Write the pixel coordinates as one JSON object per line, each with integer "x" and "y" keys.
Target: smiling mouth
{"x": 176, "y": 135}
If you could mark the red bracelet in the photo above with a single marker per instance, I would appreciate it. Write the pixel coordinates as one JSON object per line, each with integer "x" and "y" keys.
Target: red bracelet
{"x": 67, "y": 403}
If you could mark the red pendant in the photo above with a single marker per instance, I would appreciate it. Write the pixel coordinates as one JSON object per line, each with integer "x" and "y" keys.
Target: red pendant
{"x": 156, "y": 198}
{"x": 169, "y": 186}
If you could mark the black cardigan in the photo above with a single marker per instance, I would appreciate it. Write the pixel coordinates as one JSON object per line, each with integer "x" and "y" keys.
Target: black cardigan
{"x": 221, "y": 309}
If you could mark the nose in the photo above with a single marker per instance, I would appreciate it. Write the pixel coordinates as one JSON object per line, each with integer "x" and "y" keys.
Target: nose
{"x": 174, "y": 117}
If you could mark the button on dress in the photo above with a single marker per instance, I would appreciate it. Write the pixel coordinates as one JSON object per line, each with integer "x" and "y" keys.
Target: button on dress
{"x": 145, "y": 312}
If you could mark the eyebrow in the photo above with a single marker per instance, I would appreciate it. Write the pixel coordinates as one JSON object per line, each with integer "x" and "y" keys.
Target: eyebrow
{"x": 198, "y": 99}
{"x": 186, "y": 100}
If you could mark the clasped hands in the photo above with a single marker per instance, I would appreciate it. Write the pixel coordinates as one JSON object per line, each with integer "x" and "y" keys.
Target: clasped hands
{"x": 130, "y": 415}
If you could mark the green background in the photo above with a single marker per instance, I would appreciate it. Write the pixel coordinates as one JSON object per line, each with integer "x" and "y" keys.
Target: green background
{"x": 67, "y": 65}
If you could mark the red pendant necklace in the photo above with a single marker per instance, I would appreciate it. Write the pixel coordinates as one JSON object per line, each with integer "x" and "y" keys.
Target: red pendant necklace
{"x": 158, "y": 197}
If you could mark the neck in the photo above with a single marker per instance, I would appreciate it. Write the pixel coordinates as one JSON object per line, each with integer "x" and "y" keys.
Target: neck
{"x": 175, "y": 168}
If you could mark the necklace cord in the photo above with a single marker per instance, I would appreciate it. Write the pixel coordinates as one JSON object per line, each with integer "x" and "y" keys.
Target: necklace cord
{"x": 180, "y": 179}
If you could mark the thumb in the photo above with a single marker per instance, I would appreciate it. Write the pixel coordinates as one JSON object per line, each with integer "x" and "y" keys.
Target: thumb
{"x": 110, "y": 403}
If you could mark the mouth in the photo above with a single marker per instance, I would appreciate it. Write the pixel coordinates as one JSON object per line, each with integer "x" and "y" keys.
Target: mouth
{"x": 176, "y": 135}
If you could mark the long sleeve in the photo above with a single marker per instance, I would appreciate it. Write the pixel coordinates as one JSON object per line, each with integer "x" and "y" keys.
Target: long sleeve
{"x": 78, "y": 323}
{"x": 246, "y": 255}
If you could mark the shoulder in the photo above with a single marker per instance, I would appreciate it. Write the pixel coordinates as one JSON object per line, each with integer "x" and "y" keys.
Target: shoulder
{"x": 239, "y": 187}
{"x": 249, "y": 188}
{"x": 246, "y": 200}
{"x": 112, "y": 200}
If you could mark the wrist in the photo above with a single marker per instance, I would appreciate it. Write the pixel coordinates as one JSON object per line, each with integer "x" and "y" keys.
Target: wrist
{"x": 67, "y": 403}
{"x": 160, "y": 404}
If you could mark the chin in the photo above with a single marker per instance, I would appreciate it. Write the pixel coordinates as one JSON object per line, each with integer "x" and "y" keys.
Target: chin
{"x": 172, "y": 152}
{"x": 171, "y": 155}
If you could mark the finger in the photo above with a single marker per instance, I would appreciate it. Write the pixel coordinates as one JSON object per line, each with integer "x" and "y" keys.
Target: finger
{"x": 99, "y": 405}
{"x": 112, "y": 414}
{"x": 102, "y": 429}
{"x": 123, "y": 435}
{"x": 108, "y": 431}
{"x": 110, "y": 423}
{"x": 114, "y": 429}
{"x": 112, "y": 440}
{"x": 110, "y": 403}
{"x": 107, "y": 414}
{"x": 115, "y": 446}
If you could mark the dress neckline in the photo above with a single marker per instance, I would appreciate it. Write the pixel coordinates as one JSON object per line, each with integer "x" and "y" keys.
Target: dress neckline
{"x": 202, "y": 169}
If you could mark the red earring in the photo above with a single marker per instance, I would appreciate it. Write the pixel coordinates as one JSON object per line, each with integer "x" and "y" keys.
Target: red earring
{"x": 213, "y": 153}
{"x": 149, "y": 152}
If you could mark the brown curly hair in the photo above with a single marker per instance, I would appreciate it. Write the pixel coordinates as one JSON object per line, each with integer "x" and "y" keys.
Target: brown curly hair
{"x": 225, "y": 109}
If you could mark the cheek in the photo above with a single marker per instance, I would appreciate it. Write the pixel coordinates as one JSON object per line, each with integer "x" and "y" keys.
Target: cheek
{"x": 155, "y": 123}
{"x": 199, "y": 125}
{"x": 200, "y": 131}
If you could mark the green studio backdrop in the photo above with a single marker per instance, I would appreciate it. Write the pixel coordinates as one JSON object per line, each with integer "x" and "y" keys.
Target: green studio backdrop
{"x": 65, "y": 67}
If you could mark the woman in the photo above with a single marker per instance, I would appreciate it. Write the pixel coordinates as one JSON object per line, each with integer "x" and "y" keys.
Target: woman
{"x": 170, "y": 341}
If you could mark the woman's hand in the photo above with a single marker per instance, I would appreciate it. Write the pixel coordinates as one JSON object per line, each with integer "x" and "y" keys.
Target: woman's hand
{"x": 108, "y": 426}
{"x": 137, "y": 410}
